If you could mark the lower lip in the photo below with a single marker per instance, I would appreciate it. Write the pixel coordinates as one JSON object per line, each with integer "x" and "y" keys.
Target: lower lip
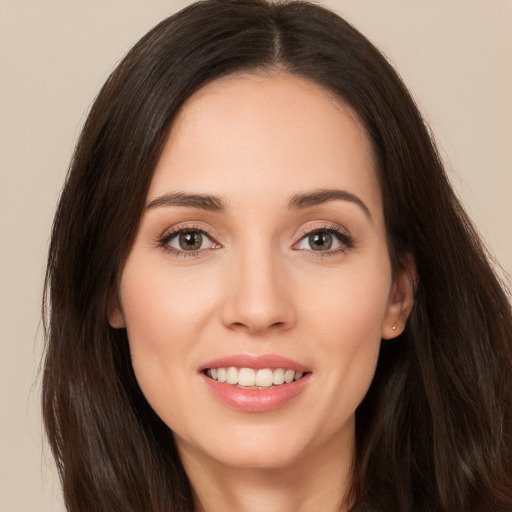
{"x": 256, "y": 400}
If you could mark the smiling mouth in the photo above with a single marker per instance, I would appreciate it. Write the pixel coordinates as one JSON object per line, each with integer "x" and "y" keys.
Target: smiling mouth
{"x": 249, "y": 378}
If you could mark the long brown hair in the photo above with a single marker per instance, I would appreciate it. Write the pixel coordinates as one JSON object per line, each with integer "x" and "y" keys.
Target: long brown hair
{"x": 434, "y": 431}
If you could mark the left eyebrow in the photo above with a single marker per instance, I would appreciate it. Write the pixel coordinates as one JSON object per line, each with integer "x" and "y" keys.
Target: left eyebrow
{"x": 317, "y": 197}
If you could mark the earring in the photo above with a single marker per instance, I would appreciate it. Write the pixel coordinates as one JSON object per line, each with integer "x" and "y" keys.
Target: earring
{"x": 394, "y": 327}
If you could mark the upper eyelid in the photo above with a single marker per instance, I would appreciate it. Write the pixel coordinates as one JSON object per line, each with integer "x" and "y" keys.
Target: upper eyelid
{"x": 323, "y": 226}
{"x": 163, "y": 241}
{"x": 341, "y": 233}
{"x": 173, "y": 231}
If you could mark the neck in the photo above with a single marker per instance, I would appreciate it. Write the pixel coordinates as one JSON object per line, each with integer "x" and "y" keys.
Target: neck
{"x": 318, "y": 481}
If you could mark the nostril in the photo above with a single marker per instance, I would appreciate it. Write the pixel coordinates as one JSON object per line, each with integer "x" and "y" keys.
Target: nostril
{"x": 256, "y": 327}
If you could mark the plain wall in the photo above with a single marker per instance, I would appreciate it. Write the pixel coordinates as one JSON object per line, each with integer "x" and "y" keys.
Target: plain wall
{"x": 455, "y": 55}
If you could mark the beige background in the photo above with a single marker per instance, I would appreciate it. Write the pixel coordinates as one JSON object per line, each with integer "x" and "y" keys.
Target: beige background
{"x": 456, "y": 55}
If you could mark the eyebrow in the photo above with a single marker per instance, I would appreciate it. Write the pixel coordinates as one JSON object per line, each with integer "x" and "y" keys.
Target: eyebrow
{"x": 317, "y": 197}
{"x": 217, "y": 204}
{"x": 202, "y": 201}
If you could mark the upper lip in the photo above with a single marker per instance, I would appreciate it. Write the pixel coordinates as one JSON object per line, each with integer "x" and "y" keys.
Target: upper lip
{"x": 272, "y": 361}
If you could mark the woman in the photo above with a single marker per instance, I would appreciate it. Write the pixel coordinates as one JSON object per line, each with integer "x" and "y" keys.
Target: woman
{"x": 261, "y": 289}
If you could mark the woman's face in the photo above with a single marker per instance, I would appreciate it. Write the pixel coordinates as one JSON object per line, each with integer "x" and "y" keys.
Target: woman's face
{"x": 261, "y": 256}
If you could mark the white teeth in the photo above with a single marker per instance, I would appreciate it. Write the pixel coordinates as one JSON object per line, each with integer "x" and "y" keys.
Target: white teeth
{"x": 264, "y": 377}
{"x": 250, "y": 378}
{"x": 247, "y": 377}
{"x": 232, "y": 375}
{"x": 288, "y": 376}
{"x": 279, "y": 376}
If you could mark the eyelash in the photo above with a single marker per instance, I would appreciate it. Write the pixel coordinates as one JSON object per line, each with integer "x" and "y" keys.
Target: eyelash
{"x": 344, "y": 238}
{"x": 164, "y": 240}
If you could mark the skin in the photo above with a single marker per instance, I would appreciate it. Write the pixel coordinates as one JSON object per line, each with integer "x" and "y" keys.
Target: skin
{"x": 256, "y": 286}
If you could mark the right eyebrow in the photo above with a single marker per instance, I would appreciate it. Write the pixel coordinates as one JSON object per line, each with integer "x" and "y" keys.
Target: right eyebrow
{"x": 202, "y": 201}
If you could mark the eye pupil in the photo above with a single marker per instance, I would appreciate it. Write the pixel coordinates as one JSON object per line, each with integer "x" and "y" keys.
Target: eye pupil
{"x": 190, "y": 240}
{"x": 320, "y": 241}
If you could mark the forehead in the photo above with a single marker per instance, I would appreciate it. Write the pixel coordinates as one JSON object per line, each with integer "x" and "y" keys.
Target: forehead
{"x": 266, "y": 134}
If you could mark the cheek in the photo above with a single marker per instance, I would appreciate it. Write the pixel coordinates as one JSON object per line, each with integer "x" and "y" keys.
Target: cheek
{"x": 347, "y": 322}
{"x": 352, "y": 302}
{"x": 164, "y": 311}
{"x": 160, "y": 302}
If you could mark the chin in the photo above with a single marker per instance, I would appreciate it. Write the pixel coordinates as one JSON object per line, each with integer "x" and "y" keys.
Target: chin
{"x": 257, "y": 457}
{"x": 258, "y": 447}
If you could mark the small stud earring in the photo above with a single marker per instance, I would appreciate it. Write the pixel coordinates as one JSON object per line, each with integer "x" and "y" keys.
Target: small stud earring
{"x": 394, "y": 327}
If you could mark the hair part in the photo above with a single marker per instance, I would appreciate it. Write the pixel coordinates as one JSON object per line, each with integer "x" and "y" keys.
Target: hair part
{"x": 434, "y": 431}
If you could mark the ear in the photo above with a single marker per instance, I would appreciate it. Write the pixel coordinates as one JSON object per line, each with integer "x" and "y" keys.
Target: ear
{"x": 401, "y": 298}
{"x": 115, "y": 315}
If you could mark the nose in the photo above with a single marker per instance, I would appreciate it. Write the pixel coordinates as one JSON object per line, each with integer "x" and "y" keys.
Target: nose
{"x": 257, "y": 299}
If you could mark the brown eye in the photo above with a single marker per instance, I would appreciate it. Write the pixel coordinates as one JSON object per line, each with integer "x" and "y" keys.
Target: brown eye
{"x": 190, "y": 240}
{"x": 187, "y": 240}
{"x": 325, "y": 241}
{"x": 320, "y": 241}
